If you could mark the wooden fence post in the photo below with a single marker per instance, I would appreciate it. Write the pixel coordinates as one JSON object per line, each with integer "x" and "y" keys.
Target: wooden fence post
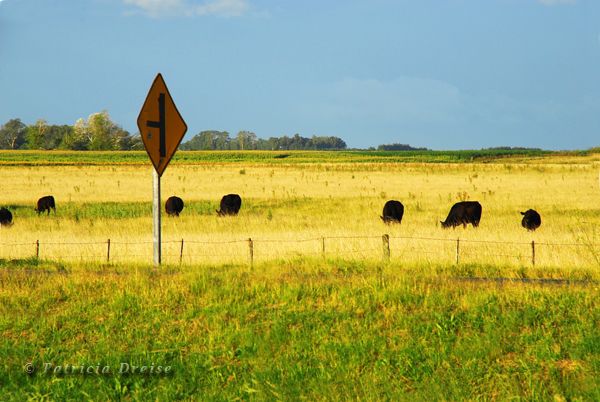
{"x": 457, "y": 250}
{"x": 181, "y": 252}
{"x": 533, "y": 253}
{"x": 251, "y": 252}
{"x": 108, "y": 251}
{"x": 323, "y": 246}
{"x": 37, "y": 249}
{"x": 386, "y": 247}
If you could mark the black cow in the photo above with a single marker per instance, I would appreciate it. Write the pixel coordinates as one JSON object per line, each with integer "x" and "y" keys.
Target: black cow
{"x": 230, "y": 205}
{"x": 392, "y": 212}
{"x": 5, "y": 217}
{"x": 531, "y": 220}
{"x": 174, "y": 206}
{"x": 463, "y": 213}
{"x": 45, "y": 204}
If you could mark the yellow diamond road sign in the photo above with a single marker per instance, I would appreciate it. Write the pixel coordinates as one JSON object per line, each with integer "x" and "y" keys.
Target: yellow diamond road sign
{"x": 161, "y": 126}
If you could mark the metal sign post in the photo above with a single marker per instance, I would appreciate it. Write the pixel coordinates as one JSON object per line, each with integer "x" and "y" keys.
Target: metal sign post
{"x": 162, "y": 128}
{"x": 156, "y": 229}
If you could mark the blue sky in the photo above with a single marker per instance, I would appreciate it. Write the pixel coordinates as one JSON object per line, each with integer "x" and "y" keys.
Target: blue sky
{"x": 443, "y": 74}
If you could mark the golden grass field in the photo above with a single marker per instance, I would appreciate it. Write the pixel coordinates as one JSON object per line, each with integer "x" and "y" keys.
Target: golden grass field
{"x": 287, "y": 209}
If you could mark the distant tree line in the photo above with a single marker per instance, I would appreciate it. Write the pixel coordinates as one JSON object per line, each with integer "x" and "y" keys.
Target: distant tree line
{"x": 399, "y": 147}
{"x": 220, "y": 140}
{"x": 99, "y": 132}
{"x": 96, "y": 133}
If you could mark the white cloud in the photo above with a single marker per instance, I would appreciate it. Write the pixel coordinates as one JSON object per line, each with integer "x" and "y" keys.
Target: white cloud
{"x": 190, "y": 8}
{"x": 157, "y": 8}
{"x": 228, "y": 8}
{"x": 556, "y": 2}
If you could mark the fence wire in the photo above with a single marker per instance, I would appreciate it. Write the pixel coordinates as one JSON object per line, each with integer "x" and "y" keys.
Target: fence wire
{"x": 385, "y": 246}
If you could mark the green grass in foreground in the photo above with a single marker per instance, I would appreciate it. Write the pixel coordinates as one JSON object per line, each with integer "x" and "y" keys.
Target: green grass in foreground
{"x": 331, "y": 330}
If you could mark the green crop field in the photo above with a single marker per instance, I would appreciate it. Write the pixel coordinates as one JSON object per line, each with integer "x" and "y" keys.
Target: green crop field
{"x": 320, "y": 312}
{"x": 269, "y": 157}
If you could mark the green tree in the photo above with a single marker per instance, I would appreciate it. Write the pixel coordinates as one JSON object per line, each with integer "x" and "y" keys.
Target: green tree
{"x": 220, "y": 140}
{"x": 132, "y": 143}
{"x": 98, "y": 133}
{"x": 223, "y": 141}
{"x": 35, "y": 134}
{"x": 246, "y": 140}
{"x": 398, "y": 147}
{"x": 55, "y": 135}
{"x": 13, "y": 134}
{"x": 103, "y": 133}
{"x": 43, "y": 136}
{"x": 326, "y": 143}
{"x": 78, "y": 138}
{"x": 207, "y": 140}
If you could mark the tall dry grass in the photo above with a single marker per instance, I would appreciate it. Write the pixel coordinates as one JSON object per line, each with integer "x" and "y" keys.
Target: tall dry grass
{"x": 289, "y": 209}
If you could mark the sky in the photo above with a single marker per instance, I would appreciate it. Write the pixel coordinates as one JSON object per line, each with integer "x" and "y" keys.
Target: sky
{"x": 441, "y": 74}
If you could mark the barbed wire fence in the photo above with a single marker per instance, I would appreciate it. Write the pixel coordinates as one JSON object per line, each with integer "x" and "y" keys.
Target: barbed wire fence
{"x": 229, "y": 251}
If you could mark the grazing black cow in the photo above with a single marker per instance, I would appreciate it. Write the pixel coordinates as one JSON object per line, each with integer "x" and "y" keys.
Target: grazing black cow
{"x": 45, "y": 204}
{"x": 230, "y": 205}
{"x": 5, "y": 217}
{"x": 463, "y": 213}
{"x": 392, "y": 212}
{"x": 174, "y": 206}
{"x": 531, "y": 220}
